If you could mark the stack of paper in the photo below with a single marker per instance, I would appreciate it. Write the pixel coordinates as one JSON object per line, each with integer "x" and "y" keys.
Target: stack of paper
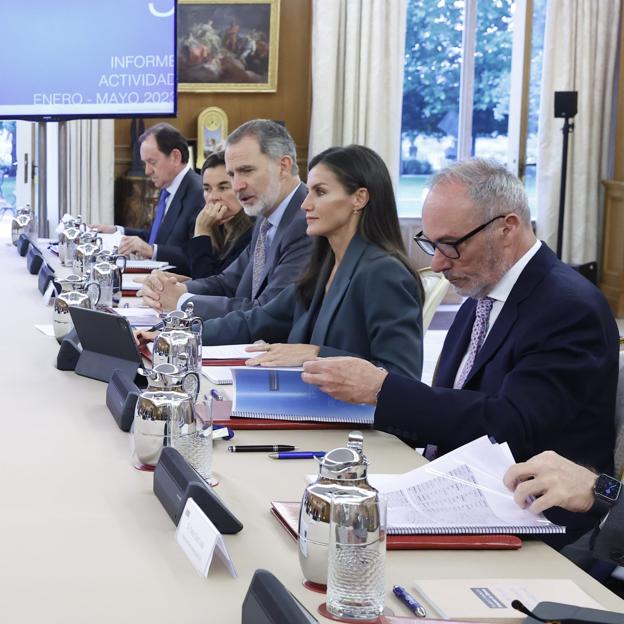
{"x": 139, "y": 317}
{"x": 229, "y": 352}
{"x": 145, "y": 266}
{"x": 219, "y": 375}
{"x": 461, "y": 492}
{"x": 129, "y": 283}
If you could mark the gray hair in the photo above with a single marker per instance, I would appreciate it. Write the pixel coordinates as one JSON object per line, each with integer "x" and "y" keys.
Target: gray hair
{"x": 492, "y": 188}
{"x": 274, "y": 140}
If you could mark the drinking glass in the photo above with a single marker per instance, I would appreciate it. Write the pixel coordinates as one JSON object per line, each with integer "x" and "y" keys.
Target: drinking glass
{"x": 196, "y": 447}
{"x": 357, "y": 551}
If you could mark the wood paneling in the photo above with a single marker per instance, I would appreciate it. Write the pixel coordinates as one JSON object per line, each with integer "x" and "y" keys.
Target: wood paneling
{"x": 291, "y": 102}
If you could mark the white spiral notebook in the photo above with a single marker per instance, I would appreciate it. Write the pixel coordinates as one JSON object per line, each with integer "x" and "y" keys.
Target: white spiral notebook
{"x": 461, "y": 492}
{"x": 219, "y": 375}
{"x": 280, "y": 394}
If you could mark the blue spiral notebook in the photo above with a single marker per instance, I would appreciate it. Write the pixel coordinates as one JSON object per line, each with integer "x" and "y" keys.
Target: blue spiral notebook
{"x": 281, "y": 394}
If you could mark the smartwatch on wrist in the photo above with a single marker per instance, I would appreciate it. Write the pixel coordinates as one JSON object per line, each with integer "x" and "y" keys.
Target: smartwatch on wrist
{"x": 607, "y": 489}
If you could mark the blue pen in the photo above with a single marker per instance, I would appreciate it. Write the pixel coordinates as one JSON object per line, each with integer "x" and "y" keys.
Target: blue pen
{"x": 297, "y": 454}
{"x": 222, "y": 432}
{"x": 215, "y": 394}
{"x": 409, "y": 601}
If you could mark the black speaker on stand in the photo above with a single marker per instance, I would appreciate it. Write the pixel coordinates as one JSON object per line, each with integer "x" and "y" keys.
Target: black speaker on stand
{"x": 566, "y": 107}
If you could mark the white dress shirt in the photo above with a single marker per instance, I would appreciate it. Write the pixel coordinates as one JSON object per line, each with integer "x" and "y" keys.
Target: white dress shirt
{"x": 501, "y": 292}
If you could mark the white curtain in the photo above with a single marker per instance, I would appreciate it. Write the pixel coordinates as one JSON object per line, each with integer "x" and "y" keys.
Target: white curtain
{"x": 90, "y": 169}
{"x": 580, "y": 48}
{"x": 358, "y": 47}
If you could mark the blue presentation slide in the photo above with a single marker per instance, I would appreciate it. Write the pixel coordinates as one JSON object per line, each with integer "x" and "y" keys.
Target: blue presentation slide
{"x": 88, "y": 57}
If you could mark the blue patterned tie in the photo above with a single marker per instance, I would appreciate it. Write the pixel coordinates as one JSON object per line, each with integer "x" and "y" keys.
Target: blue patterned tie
{"x": 259, "y": 258}
{"x": 158, "y": 217}
{"x": 477, "y": 338}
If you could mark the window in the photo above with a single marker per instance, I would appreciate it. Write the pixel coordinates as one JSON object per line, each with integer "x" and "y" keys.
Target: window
{"x": 8, "y": 164}
{"x": 457, "y": 85}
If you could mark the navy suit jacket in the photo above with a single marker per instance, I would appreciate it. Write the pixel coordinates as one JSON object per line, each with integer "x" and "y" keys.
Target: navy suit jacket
{"x": 372, "y": 310}
{"x": 287, "y": 256}
{"x": 178, "y": 226}
{"x": 545, "y": 378}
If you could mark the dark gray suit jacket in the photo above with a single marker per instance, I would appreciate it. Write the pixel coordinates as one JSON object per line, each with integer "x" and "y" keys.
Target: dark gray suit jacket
{"x": 178, "y": 226}
{"x": 372, "y": 310}
{"x": 609, "y": 539}
{"x": 287, "y": 256}
{"x": 605, "y": 543}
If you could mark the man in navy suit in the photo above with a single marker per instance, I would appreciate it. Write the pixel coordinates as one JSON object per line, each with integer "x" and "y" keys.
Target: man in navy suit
{"x": 532, "y": 356}
{"x": 261, "y": 160}
{"x": 164, "y": 152}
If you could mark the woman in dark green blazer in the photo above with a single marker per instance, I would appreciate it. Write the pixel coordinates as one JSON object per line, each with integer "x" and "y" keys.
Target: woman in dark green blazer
{"x": 359, "y": 295}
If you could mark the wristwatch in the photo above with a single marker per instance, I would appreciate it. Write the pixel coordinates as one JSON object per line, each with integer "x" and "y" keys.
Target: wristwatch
{"x": 607, "y": 489}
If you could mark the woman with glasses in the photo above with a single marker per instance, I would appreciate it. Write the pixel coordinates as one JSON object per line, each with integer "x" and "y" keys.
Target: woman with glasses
{"x": 359, "y": 295}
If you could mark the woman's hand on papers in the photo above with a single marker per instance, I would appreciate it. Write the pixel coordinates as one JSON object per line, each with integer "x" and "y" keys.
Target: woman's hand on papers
{"x": 549, "y": 480}
{"x": 282, "y": 354}
{"x": 346, "y": 378}
{"x": 161, "y": 291}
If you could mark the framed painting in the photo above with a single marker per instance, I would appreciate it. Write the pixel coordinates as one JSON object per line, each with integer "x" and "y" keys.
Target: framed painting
{"x": 228, "y": 46}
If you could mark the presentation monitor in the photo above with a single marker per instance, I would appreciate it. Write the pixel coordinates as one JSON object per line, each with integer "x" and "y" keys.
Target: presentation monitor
{"x": 77, "y": 59}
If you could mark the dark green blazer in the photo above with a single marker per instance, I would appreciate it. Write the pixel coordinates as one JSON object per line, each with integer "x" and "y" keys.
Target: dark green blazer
{"x": 372, "y": 310}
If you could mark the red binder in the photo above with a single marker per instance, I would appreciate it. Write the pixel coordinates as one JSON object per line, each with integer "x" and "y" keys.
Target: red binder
{"x": 247, "y": 424}
{"x": 287, "y": 514}
{"x": 224, "y": 362}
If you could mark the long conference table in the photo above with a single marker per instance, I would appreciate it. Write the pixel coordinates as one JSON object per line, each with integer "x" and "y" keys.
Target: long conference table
{"x": 84, "y": 539}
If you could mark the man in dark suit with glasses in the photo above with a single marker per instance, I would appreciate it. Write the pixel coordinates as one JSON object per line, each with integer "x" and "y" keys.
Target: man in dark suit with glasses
{"x": 532, "y": 356}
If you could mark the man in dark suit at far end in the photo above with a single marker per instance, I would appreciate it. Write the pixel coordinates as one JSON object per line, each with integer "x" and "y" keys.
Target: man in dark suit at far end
{"x": 531, "y": 358}
{"x": 165, "y": 155}
{"x": 261, "y": 161}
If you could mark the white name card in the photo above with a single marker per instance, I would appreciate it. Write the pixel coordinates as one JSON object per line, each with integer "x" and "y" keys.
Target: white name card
{"x": 198, "y": 537}
{"x": 49, "y": 294}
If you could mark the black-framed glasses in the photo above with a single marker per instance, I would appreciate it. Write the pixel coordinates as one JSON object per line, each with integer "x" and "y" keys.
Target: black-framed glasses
{"x": 449, "y": 249}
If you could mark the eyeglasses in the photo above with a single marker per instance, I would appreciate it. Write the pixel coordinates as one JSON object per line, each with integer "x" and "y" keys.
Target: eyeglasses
{"x": 448, "y": 249}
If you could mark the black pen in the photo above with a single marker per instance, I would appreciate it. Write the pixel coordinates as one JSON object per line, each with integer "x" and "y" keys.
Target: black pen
{"x": 261, "y": 448}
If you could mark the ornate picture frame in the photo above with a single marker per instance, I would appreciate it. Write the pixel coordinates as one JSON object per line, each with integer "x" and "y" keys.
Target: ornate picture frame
{"x": 227, "y": 46}
{"x": 212, "y": 130}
